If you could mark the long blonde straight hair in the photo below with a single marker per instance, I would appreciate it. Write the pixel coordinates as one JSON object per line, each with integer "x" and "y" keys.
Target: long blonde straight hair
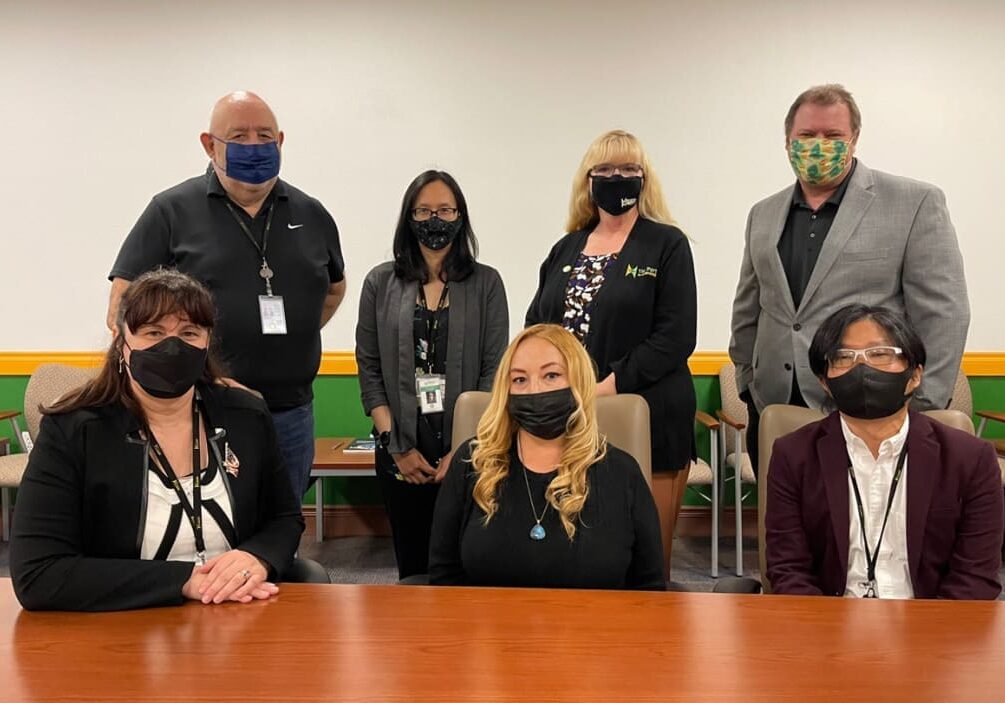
{"x": 584, "y": 446}
{"x": 615, "y": 147}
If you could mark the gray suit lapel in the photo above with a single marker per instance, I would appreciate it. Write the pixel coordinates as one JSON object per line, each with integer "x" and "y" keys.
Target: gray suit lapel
{"x": 856, "y": 201}
{"x": 777, "y": 270}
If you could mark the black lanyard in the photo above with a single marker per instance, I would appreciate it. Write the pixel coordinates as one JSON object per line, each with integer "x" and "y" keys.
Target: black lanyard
{"x": 265, "y": 272}
{"x": 193, "y": 510}
{"x": 871, "y": 558}
{"x": 432, "y": 324}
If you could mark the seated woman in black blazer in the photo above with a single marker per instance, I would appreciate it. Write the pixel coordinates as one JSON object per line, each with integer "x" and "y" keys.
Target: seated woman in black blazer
{"x": 539, "y": 498}
{"x": 110, "y": 514}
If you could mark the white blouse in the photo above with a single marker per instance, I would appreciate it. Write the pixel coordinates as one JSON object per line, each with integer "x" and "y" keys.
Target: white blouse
{"x": 162, "y": 501}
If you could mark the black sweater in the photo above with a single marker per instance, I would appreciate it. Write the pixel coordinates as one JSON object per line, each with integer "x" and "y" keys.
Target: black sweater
{"x": 617, "y": 542}
{"x": 643, "y": 326}
{"x": 75, "y": 543}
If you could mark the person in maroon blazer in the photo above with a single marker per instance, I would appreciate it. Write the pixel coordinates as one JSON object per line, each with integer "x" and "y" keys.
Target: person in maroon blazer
{"x": 877, "y": 500}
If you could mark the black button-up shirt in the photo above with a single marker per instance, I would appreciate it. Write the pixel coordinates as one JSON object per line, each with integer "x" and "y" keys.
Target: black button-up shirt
{"x": 804, "y": 234}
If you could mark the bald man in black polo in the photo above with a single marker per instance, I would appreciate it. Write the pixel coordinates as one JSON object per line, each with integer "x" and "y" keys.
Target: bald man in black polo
{"x": 269, "y": 253}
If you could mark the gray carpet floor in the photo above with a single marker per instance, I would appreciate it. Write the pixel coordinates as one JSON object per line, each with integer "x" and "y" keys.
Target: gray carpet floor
{"x": 371, "y": 560}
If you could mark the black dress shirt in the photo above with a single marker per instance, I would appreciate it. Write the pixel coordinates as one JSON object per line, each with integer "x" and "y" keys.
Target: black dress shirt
{"x": 804, "y": 234}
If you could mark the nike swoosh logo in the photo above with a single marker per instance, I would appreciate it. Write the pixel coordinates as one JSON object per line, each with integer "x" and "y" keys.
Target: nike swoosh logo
{"x": 294, "y": 226}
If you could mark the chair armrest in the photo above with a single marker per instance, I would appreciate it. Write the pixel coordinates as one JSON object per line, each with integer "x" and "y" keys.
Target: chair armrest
{"x": 706, "y": 419}
{"x": 721, "y": 414}
{"x": 12, "y": 468}
{"x": 989, "y": 414}
{"x": 734, "y": 584}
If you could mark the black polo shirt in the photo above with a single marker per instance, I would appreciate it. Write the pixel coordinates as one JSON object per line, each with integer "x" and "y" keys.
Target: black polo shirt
{"x": 804, "y": 234}
{"x": 189, "y": 227}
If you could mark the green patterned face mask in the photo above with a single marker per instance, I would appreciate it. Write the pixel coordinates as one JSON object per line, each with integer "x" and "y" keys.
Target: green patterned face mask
{"x": 818, "y": 162}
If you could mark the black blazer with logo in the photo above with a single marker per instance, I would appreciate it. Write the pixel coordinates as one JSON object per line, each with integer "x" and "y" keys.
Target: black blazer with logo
{"x": 643, "y": 326}
{"x": 78, "y": 526}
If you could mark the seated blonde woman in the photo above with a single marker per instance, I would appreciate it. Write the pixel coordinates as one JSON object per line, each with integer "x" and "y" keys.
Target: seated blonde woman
{"x": 539, "y": 498}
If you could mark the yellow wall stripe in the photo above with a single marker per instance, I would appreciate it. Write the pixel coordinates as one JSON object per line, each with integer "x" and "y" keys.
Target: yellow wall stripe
{"x": 343, "y": 363}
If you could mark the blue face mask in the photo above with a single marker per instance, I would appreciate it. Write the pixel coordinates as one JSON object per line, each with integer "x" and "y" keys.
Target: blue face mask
{"x": 252, "y": 163}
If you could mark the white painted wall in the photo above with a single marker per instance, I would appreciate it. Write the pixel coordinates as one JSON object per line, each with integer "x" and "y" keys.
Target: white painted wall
{"x": 101, "y": 104}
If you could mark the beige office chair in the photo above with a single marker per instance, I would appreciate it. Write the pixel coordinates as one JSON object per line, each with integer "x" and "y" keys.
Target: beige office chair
{"x": 733, "y": 414}
{"x": 623, "y": 418}
{"x": 706, "y": 474}
{"x": 47, "y": 384}
{"x": 780, "y": 420}
{"x": 963, "y": 400}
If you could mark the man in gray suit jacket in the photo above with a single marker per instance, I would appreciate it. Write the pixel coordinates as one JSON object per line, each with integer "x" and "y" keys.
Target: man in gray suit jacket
{"x": 843, "y": 233}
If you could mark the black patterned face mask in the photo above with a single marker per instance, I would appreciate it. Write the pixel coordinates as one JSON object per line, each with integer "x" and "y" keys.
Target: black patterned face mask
{"x": 435, "y": 233}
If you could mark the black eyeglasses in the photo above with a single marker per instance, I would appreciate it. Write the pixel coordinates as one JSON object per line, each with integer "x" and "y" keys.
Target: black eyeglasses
{"x": 447, "y": 214}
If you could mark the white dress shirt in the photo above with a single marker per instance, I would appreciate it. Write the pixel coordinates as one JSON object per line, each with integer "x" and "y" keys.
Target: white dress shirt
{"x": 874, "y": 476}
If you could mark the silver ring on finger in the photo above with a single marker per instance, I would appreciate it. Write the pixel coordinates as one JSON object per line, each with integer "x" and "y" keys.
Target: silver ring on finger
{"x": 246, "y": 574}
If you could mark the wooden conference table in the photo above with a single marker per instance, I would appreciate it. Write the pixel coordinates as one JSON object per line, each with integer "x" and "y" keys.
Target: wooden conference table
{"x": 331, "y": 460}
{"x": 410, "y": 643}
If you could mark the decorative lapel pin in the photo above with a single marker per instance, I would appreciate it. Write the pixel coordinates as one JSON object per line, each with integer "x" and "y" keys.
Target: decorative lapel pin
{"x": 230, "y": 461}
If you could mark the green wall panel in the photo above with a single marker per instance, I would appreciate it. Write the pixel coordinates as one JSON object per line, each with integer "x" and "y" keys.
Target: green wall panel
{"x": 337, "y": 412}
{"x": 12, "y": 398}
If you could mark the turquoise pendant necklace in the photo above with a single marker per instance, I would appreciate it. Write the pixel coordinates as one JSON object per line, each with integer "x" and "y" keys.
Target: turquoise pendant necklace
{"x": 537, "y": 532}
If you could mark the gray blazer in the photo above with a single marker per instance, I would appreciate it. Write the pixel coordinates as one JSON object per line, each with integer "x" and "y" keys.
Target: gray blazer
{"x": 891, "y": 244}
{"x": 477, "y": 335}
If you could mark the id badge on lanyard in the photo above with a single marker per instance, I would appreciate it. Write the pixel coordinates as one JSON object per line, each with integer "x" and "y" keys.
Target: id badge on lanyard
{"x": 431, "y": 389}
{"x": 270, "y": 307}
{"x": 273, "y": 314}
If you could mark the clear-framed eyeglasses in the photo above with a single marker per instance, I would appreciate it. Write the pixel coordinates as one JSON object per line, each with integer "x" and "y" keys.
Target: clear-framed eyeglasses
{"x": 608, "y": 170}
{"x": 447, "y": 214}
{"x": 878, "y": 357}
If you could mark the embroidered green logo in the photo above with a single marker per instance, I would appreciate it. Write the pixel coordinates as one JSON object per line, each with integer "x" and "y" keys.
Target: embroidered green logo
{"x": 636, "y": 272}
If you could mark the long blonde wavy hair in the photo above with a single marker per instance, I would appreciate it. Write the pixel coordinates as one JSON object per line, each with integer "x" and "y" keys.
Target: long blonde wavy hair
{"x": 615, "y": 147}
{"x": 584, "y": 446}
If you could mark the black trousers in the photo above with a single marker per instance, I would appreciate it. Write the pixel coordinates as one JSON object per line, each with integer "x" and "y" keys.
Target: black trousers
{"x": 410, "y": 512}
{"x": 754, "y": 420}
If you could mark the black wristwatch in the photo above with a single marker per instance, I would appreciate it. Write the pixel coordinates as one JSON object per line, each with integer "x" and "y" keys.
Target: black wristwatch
{"x": 383, "y": 439}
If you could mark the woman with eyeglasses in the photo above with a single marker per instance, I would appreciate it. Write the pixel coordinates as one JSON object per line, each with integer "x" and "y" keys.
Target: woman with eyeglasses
{"x": 877, "y": 500}
{"x": 622, "y": 281}
{"x": 432, "y": 324}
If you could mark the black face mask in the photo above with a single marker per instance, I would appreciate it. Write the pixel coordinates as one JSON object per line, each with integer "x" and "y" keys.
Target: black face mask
{"x": 435, "y": 233}
{"x": 616, "y": 195}
{"x": 167, "y": 369}
{"x": 868, "y": 393}
{"x": 544, "y": 415}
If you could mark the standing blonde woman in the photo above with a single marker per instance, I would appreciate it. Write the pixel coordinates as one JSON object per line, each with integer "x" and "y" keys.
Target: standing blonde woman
{"x": 622, "y": 281}
{"x": 539, "y": 498}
